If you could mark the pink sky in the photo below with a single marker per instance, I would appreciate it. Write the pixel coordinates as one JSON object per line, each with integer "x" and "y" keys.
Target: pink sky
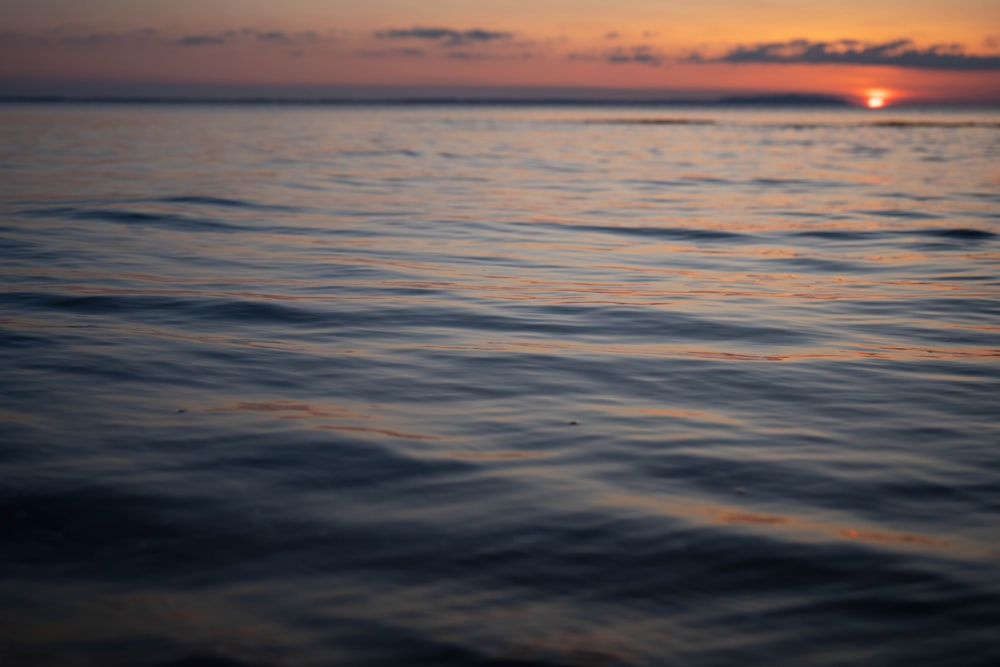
{"x": 913, "y": 50}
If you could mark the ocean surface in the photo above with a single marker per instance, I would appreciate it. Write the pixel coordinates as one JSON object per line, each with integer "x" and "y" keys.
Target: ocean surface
{"x": 318, "y": 386}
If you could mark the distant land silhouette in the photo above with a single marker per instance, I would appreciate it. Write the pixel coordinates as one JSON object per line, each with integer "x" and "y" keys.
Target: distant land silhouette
{"x": 786, "y": 99}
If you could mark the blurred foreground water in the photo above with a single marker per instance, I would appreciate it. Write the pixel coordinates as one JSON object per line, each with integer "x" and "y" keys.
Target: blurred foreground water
{"x": 446, "y": 386}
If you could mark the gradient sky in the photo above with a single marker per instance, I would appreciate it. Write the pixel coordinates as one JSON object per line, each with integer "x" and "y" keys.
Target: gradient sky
{"x": 912, "y": 49}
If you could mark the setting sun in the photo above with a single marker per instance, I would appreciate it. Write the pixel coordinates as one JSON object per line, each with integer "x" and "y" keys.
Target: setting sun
{"x": 876, "y": 98}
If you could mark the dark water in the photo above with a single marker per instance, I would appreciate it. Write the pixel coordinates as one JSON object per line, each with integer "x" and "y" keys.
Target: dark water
{"x": 375, "y": 386}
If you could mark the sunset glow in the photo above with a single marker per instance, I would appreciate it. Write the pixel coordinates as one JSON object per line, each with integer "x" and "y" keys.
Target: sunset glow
{"x": 877, "y": 98}
{"x": 718, "y": 47}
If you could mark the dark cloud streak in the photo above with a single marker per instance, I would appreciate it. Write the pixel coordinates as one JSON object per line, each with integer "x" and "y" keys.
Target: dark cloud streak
{"x": 406, "y": 53}
{"x": 152, "y": 36}
{"x": 897, "y": 53}
{"x": 202, "y": 40}
{"x": 446, "y": 36}
{"x": 227, "y": 36}
{"x": 641, "y": 54}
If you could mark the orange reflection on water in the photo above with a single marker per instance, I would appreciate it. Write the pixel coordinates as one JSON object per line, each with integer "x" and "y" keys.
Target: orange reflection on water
{"x": 714, "y": 417}
{"x": 292, "y": 410}
{"x": 297, "y": 410}
{"x": 16, "y": 417}
{"x": 914, "y": 353}
{"x": 566, "y": 347}
{"x": 735, "y": 516}
{"x": 892, "y": 538}
{"x": 736, "y": 356}
{"x": 667, "y": 284}
{"x": 751, "y": 518}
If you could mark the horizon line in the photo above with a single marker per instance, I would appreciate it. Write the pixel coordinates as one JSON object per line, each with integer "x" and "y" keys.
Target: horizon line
{"x": 794, "y": 100}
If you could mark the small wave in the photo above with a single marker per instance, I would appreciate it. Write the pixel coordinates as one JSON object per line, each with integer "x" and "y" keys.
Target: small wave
{"x": 208, "y": 201}
{"x": 956, "y": 124}
{"x": 673, "y": 233}
{"x": 651, "y": 121}
{"x": 909, "y": 214}
{"x": 798, "y": 125}
{"x": 225, "y": 202}
{"x": 959, "y": 234}
{"x": 822, "y": 265}
{"x": 838, "y": 235}
{"x": 781, "y": 181}
{"x": 129, "y": 217}
{"x": 888, "y": 123}
{"x": 158, "y": 307}
{"x": 404, "y": 152}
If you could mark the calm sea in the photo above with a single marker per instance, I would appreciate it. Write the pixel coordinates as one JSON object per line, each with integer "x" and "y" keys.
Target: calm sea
{"x": 587, "y": 387}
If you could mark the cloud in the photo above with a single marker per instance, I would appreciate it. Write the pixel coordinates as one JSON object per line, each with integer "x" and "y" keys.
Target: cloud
{"x": 388, "y": 53}
{"x": 227, "y": 36}
{"x": 463, "y": 55}
{"x": 151, "y": 36}
{"x": 641, "y": 54}
{"x": 96, "y": 38}
{"x": 60, "y": 37}
{"x": 446, "y": 36}
{"x": 897, "y": 53}
{"x": 202, "y": 40}
{"x": 270, "y": 35}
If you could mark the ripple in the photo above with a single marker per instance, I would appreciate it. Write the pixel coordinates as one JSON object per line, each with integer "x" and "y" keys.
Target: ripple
{"x": 171, "y": 221}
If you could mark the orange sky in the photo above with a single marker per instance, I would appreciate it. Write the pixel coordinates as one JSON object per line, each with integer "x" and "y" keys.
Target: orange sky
{"x": 918, "y": 49}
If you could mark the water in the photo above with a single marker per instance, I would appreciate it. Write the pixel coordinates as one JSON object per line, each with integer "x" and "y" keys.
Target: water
{"x": 498, "y": 386}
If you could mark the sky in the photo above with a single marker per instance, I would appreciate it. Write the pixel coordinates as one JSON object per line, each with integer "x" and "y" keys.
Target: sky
{"x": 901, "y": 50}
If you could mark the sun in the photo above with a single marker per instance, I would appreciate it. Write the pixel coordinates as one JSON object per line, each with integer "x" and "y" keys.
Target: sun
{"x": 876, "y": 99}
